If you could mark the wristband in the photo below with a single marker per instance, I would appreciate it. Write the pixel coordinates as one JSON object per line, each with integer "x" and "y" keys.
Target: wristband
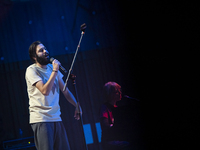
{"x": 54, "y": 71}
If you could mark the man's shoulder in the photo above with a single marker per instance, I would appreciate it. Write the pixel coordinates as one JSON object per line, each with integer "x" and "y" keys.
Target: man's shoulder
{"x": 30, "y": 69}
{"x": 33, "y": 66}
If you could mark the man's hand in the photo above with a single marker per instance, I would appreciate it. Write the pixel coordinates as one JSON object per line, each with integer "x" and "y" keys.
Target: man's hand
{"x": 56, "y": 65}
{"x": 78, "y": 112}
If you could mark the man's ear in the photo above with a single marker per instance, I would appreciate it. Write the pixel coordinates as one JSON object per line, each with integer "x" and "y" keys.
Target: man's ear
{"x": 34, "y": 58}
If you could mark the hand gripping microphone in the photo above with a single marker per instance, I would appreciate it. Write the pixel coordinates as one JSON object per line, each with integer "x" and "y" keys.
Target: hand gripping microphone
{"x": 61, "y": 67}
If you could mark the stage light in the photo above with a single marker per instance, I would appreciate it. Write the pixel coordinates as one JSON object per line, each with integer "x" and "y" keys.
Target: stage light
{"x": 97, "y": 43}
{"x": 88, "y": 133}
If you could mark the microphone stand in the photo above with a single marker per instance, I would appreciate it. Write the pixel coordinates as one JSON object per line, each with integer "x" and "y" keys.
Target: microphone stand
{"x": 72, "y": 77}
{"x": 70, "y": 70}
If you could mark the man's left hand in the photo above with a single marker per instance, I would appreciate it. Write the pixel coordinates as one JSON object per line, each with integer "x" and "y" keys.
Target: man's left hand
{"x": 78, "y": 112}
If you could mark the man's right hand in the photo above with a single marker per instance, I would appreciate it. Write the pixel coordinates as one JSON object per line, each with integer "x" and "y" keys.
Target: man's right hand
{"x": 56, "y": 64}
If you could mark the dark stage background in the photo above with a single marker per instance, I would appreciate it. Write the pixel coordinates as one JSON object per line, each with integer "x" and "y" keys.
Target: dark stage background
{"x": 149, "y": 47}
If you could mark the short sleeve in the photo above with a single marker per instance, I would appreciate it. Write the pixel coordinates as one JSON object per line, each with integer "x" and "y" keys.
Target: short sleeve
{"x": 31, "y": 76}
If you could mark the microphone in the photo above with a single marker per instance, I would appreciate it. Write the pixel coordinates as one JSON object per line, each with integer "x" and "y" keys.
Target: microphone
{"x": 83, "y": 27}
{"x": 131, "y": 98}
{"x": 61, "y": 67}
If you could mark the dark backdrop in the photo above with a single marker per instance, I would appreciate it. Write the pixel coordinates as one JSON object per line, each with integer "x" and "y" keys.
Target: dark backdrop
{"x": 150, "y": 48}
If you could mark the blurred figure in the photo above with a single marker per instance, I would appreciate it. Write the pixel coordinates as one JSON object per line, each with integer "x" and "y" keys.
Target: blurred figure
{"x": 111, "y": 138}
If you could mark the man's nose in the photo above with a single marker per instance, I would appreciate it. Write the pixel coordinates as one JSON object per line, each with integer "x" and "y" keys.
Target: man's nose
{"x": 46, "y": 51}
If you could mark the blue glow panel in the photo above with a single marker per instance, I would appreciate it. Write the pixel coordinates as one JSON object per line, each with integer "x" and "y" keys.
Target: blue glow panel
{"x": 98, "y": 128}
{"x": 88, "y": 133}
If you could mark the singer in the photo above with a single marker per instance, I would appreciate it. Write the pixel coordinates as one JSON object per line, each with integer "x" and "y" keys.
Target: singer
{"x": 43, "y": 83}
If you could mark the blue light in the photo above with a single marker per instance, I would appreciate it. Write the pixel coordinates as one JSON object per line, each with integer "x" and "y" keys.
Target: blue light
{"x": 98, "y": 128}
{"x": 2, "y": 58}
{"x": 97, "y": 43}
{"x": 62, "y": 17}
{"x": 30, "y": 22}
{"x": 88, "y": 134}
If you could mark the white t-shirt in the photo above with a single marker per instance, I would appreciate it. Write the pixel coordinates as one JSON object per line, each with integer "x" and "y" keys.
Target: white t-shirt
{"x": 42, "y": 108}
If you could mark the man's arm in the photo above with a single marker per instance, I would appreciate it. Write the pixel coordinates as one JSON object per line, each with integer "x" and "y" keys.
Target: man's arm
{"x": 70, "y": 97}
{"x": 46, "y": 88}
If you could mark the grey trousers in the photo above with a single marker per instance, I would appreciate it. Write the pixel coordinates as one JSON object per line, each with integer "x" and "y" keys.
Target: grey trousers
{"x": 50, "y": 136}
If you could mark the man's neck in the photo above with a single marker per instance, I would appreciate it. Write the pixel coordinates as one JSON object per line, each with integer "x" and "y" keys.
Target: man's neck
{"x": 41, "y": 66}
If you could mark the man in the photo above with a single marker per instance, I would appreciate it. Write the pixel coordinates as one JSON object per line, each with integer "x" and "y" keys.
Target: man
{"x": 43, "y": 83}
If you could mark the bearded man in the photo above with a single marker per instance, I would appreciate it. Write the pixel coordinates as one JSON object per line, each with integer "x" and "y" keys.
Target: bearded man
{"x": 43, "y": 83}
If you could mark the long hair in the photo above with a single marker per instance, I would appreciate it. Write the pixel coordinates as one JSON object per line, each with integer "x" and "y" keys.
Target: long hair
{"x": 32, "y": 50}
{"x": 109, "y": 88}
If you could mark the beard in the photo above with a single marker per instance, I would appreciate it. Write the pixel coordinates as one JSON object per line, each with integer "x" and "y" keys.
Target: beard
{"x": 42, "y": 60}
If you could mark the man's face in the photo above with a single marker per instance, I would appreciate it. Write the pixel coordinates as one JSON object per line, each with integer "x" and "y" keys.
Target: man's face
{"x": 42, "y": 55}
